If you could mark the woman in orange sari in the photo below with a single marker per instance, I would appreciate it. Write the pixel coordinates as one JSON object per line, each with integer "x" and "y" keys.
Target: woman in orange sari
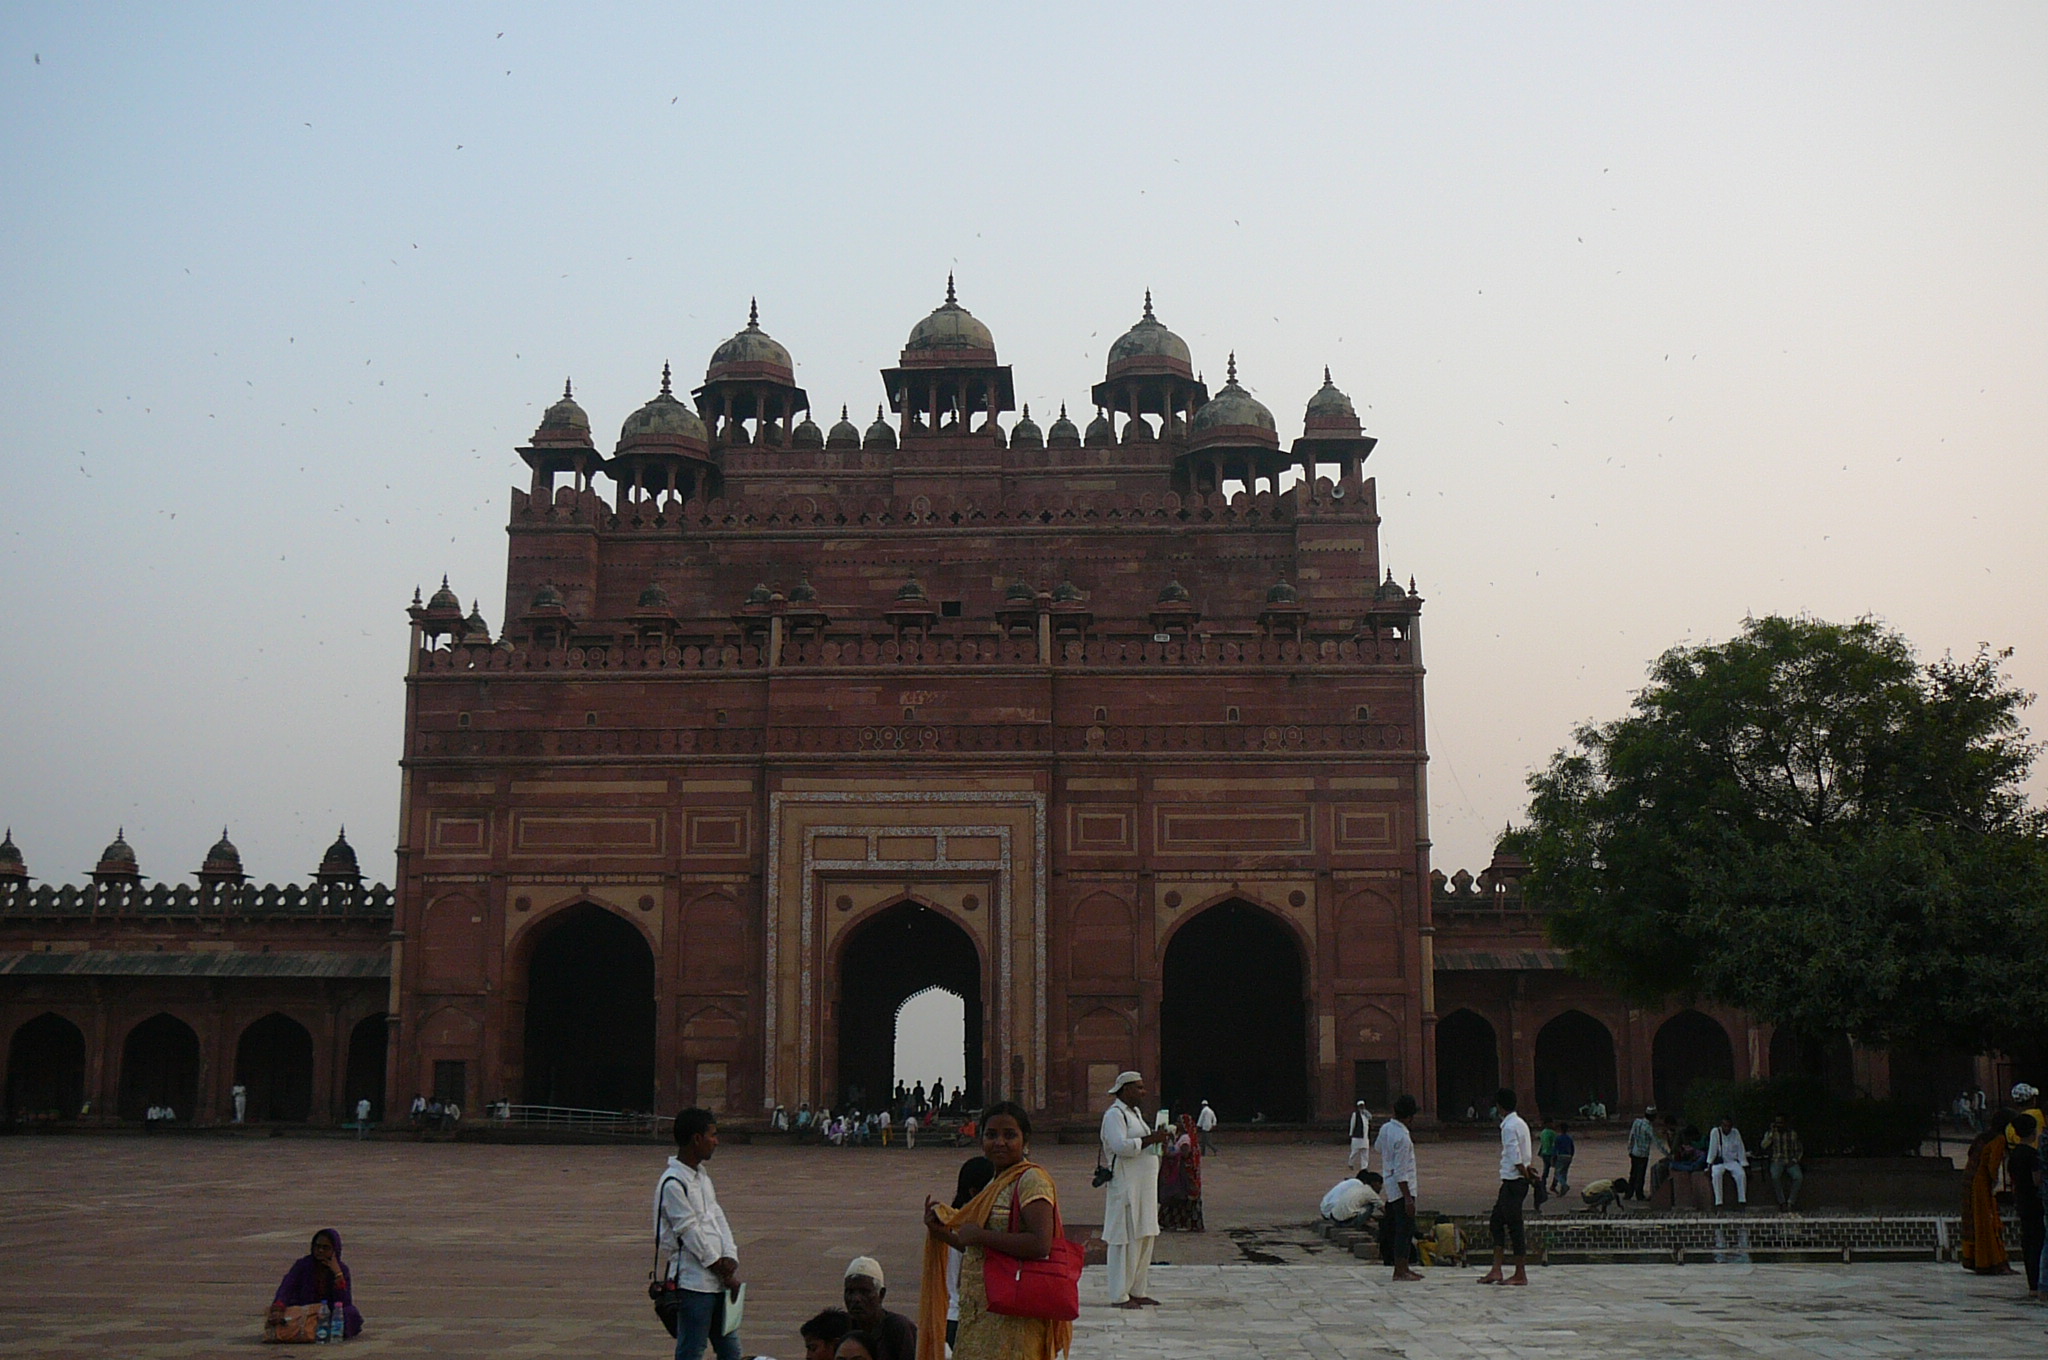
{"x": 1016, "y": 1213}
{"x": 1983, "y": 1234}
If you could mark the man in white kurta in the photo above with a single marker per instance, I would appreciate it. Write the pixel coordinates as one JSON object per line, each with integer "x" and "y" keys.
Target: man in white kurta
{"x": 1130, "y": 1211}
{"x": 1361, "y": 1137}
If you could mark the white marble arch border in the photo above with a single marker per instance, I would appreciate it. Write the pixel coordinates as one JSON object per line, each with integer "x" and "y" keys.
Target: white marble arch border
{"x": 852, "y": 798}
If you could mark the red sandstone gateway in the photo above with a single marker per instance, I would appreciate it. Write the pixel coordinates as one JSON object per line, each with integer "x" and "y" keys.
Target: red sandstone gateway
{"x": 1116, "y": 734}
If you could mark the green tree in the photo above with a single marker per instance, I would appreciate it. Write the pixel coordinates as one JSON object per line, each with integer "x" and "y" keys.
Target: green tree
{"x": 1809, "y": 823}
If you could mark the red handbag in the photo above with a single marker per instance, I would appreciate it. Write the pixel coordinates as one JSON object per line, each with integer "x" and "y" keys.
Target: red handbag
{"x": 1048, "y": 1289}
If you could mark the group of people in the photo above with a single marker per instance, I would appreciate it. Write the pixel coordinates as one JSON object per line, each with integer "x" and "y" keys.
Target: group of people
{"x": 1003, "y": 1202}
{"x": 433, "y": 1114}
{"x": 2004, "y": 1163}
{"x": 1659, "y": 1148}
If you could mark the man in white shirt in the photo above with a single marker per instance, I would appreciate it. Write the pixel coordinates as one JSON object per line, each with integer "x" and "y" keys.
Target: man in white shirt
{"x": 1350, "y": 1202}
{"x": 1517, "y": 1171}
{"x": 1726, "y": 1157}
{"x": 1130, "y": 1210}
{"x": 1397, "y": 1169}
{"x": 1205, "y": 1124}
{"x": 1361, "y": 1137}
{"x": 703, "y": 1259}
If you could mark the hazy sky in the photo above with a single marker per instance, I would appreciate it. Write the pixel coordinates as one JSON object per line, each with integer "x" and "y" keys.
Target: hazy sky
{"x": 1663, "y": 315}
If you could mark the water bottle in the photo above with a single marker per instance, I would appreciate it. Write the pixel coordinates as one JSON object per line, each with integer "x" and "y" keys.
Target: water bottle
{"x": 324, "y": 1332}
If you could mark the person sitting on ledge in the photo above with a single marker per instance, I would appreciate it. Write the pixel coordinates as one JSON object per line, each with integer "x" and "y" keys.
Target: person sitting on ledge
{"x": 319, "y": 1277}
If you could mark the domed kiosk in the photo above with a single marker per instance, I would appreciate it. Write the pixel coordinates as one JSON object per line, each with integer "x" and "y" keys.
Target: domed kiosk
{"x": 751, "y": 377}
{"x": 947, "y": 377}
{"x": 1150, "y": 372}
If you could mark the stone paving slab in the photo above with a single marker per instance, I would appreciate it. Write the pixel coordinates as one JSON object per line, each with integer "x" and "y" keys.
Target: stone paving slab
{"x": 171, "y": 1246}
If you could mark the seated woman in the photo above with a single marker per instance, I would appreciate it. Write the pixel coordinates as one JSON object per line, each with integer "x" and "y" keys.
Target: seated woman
{"x": 319, "y": 1277}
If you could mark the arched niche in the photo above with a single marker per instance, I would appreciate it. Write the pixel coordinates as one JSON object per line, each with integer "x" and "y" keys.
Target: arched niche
{"x": 589, "y": 1011}
{"x": 1574, "y": 1065}
{"x": 1233, "y": 1014}
{"x": 274, "y": 1064}
{"x": 1467, "y": 1064}
{"x": 45, "y": 1070}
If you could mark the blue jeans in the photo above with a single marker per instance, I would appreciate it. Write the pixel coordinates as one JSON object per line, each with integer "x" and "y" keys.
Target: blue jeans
{"x": 693, "y": 1327}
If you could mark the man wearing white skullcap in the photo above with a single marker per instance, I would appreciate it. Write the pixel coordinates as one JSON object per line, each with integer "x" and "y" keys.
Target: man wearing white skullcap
{"x": 895, "y": 1335}
{"x": 1130, "y": 1212}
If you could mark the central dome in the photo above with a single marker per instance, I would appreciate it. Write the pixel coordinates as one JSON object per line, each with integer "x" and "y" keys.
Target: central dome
{"x": 753, "y": 353}
{"x": 949, "y": 327}
{"x": 662, "y": 420}
{"x": 1150, "y": 347}
{"x": 1234, "y": 409}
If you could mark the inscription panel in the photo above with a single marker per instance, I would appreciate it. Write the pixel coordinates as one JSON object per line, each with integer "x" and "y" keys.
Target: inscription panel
{"x": 459, "y": 834}
{"x": 614, "y": 833}
{"x": 1365, "y": 828}
{"x": 1194, "y": 829}
{"x": 1100, "y": 827}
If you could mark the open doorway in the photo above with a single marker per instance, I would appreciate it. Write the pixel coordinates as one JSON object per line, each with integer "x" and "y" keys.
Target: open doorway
{"x": 902, "y": 952}
{"x": 1233, "y": 1019}
{"x": 590, "y": 1014}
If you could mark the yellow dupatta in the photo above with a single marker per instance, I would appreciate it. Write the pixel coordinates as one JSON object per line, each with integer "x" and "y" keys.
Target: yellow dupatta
{"x": 932, "y": 1297}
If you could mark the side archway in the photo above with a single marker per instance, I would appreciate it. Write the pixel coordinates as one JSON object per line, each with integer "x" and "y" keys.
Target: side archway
{"x": 46, "y": 1070}
{"x": 1574, "y": 1065}
{"x": 274, "y": 1061}
{"x": 589, "y": 1012}
{"x": 1689, "y": 1047}
{"x": 160, "y": 1066}
{"x": 1467, "y": 1064}
{"x": 367, "y": 1044}
{"x": 1233, "y": 1015}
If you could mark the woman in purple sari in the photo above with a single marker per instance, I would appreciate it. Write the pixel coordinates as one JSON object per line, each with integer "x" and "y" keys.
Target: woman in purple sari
{"x": 320, "y": 1277}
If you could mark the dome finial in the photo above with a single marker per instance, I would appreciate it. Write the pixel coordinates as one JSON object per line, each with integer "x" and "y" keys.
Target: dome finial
{"x": 1063, "y": 410}
{"x": 949, "y": 289}
{"x": 664, "y": 382}
{"x": 1148, "y": 304}
{"x": 842, "y": 410}
{"x": 1233, "y": 366}
{"x": 568, "y": 390}
{"x": 754, "y": 313}
{"x": 1326, "y": 376}
{"x": 444, "y": 580}
{"x": 1027, "y": 410}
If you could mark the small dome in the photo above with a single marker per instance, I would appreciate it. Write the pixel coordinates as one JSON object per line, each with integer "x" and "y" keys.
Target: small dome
{"x": 949, "y": 327}
{"x": 445, "y": 599}
{"x": 807, "y": 435}
{"x": 1063, "y": 434}
{"x": 803, "y": 592}
{"x": 1328, "y": 404}
{"x": 340, "y": 859}
{"x": 1282, "y": 593}
{"x": 1173, "y": 592}
{"x": 223, "y": 858}
{"x": 1233, "y": 407}
{"x": 547, "y": 597}
{"x": 880, "y": 435}
{"x": 1066, "y": 592}
{"x": 1020, "y": 590}
{"x": 1100, "y": 433}
{"x": 912, "y": 591}
{"x": 1149, "y": 346}
{"x": 844, "y": 435}
{"x": 474, "y": 624}
{"x": 1026, "y": 433}
{"x": 118, "y": 857}
{"x": 752, "y": 353}
{"x": 662, "y": 419}
{"x": 564, "y": 422}
{"x": 654, "y": 597}
{"x": 761, "y": 594}
{"x": 11, "y": 863}
{"x": 1138, "y": 430}
{"x": 1390, "y": 589}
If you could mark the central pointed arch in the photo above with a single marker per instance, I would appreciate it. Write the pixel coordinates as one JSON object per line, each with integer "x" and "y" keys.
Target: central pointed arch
{"x": 274, "y": 1061}
{"x": 902, "y": 950}
{"x": 1233, "y": 1015}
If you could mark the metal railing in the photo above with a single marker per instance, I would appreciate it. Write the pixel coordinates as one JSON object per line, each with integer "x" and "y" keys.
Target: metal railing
{"x": 563, "y": 1119}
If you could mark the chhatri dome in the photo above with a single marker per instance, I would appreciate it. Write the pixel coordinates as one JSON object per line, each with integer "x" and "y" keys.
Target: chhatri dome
{"x": 662, "y": 420}
{"x": 1149, "y": 347}
{"x": 752, "y": 353}
{"x": 949, "y": 327}
{"x": 1233, "y": 408}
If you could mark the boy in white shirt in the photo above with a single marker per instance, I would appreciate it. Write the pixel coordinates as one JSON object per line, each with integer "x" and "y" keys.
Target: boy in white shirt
{"x": 1517, "y": 1170}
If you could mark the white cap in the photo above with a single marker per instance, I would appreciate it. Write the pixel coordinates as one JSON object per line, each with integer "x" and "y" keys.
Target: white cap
{"x": 869, "y": 1267}
{"x": 1123, "y": 1079}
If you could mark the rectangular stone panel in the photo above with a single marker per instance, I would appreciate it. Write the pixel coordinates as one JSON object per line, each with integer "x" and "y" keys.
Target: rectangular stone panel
{"x": 1100, "y": 828}
{"x": 459, "y": 833}
{"x": 715, "y": 833}
{"x": 974, "y": 847}
{"x": 907, "y": 847}
{"x": 612, "y": 833}
{"x": 1367, "y": 828}
{"x": 840, "y": 847}
{"x": 1191, "y": 830}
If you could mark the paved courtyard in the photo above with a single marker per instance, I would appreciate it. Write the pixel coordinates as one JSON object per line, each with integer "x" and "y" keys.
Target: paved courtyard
{"x": 122, "y": 1245}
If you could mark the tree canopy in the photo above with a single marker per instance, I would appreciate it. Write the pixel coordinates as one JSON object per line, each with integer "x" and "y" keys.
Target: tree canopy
{"x": 1809, "y": 823}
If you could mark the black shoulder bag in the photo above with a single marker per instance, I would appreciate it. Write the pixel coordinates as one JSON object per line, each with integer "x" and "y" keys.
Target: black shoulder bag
{"x": 663, "y": 1290}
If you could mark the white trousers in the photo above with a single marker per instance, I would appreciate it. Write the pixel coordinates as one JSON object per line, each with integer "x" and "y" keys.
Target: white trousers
{"x": 1130, "y": 1268}
{"x": 1741, "y": 1181}
{"x": 1361, "y": 1153}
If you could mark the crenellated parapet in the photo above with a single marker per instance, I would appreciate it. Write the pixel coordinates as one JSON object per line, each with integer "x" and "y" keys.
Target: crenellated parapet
{"x": 70, "y": 901}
